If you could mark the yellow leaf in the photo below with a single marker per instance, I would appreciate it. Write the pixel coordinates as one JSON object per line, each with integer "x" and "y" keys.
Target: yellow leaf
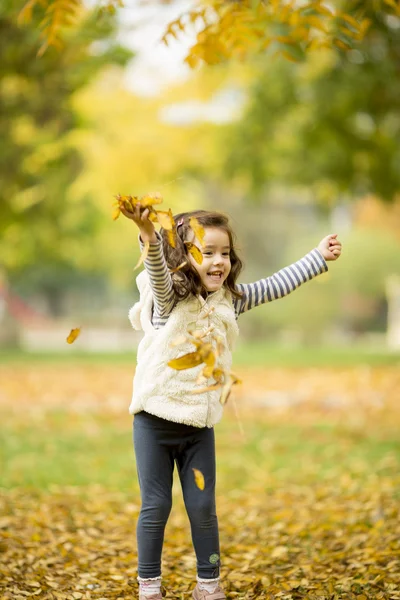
{"x": 166, "y": 219}
{"x": 218, "y": 375}
{"x": 195, "y": 252}
{"x": 199, "y": 479}
{"x": 226, "y": 390}
{"x": 350, "y": 21}
{"x": 144, "y": 254}
{"x": 179, "y": 267}
{"x": 315, "y": 22}
{"x": 187, "y": 361}
{"x": 74, "y": 333}
{"x": 151, "y": 199}
{"x": 171, "y": 235}
{"x": 192, "y": 60}
{"x": 209, "y": 388}
{"x": 342, "y": 45}
{"x": 208, "y": 370}
{"x": 116, "y": 213}
{"x": 198, "y": 230}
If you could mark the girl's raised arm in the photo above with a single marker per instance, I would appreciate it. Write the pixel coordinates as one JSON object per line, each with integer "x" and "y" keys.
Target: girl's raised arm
{"x": 290, "y": 278}
{"x": 281, "y": 283}
{"x": 155, "y": 265}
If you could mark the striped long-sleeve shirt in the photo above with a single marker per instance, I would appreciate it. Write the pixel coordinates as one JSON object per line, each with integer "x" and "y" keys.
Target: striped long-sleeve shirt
{"x": 265, "y": 290}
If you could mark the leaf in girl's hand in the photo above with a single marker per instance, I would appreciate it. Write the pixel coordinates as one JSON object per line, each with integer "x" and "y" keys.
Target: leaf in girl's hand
{"x": 153, "y": 216}
{"x": 179, "y": 267}
{"x": 199, "y": 479}
{"x": 187, "y": 361}
{"x": 151, "y": 199}
{"x": 195, "y": 252}
{"x": 73, "y": 335}
{"x": 116, "y": 213}
{"x": 144, "y": 254}
{"x": 198, "y": 230}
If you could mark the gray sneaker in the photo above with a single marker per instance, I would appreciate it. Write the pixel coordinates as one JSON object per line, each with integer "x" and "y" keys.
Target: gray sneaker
{"x": 199, "y": 594}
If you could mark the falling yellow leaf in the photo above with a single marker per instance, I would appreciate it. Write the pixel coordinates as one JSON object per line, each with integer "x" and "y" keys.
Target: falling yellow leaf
{"x": 227, "y": 388}
{"x": 73, "y": 335}
{"x": 171, "y": 235}
{"x": 179, "y": 267}
{"x": 199, "y": 479}
{"x": 192, "y": 359}
{"x": 144, "y": 254}
{"x": 198, "y": 230}
{"x": 165, "y": 219}
{"x": 195, "y": 252}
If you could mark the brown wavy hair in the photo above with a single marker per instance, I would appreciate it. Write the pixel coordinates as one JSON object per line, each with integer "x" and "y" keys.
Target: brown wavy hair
{"x": 187, "y": 281}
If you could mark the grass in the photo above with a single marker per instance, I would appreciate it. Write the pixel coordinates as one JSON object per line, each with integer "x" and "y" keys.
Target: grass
{"x": 80, "y": 450}
{"x": 246, "y": 354}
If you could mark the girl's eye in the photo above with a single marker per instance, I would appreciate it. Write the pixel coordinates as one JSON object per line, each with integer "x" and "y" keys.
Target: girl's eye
{"x": 207, "y": 253}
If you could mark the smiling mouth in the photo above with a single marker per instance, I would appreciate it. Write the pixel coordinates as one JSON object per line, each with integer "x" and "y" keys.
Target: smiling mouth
{"x": 216, "y": 276}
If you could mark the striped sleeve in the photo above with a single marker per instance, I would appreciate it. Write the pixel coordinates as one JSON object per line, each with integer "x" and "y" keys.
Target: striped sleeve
{"x": 160, "y": 282}
{"x": 281, "y": 283}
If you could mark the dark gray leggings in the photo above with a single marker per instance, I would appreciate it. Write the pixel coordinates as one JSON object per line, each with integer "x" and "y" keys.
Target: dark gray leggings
{"x": 158, "y": 445}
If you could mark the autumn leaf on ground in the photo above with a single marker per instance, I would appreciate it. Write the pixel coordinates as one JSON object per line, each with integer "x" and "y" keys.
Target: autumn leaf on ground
{"x": 74, "y": 333}
{"x": 144, "y": 254}
{"x": 199, "y": 479}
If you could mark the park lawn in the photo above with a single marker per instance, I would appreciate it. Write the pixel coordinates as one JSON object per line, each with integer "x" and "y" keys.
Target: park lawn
{"x": 246, "y": 354}
{"x": 308, "y": 494}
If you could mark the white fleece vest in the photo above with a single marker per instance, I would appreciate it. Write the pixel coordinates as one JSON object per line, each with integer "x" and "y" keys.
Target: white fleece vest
{"x": 165, "y": 392}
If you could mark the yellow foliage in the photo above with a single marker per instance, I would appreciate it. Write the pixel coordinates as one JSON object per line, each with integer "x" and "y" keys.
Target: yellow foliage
{"x": 245, "y": 28}
{"x": 74, "y": 333}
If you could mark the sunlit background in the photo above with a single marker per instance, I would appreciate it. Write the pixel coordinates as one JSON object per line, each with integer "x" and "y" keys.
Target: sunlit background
{"x": 308, "y": 450}
{"x": 291, "y": 152}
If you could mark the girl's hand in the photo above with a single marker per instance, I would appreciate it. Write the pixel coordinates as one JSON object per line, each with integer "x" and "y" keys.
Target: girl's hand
{"x": 330, "y": 247}
{"x": 146, "y": 227}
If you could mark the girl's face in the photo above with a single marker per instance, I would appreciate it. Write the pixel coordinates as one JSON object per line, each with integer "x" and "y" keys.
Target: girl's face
{"x": 216, "y": 264}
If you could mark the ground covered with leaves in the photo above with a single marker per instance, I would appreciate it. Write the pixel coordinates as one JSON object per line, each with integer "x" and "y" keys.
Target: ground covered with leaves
{"x": 308, "y": 486}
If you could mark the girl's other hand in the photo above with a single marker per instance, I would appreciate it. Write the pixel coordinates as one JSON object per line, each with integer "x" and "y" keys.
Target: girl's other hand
{"x": 330, "y": 247}
{"x": 146, "y": 227}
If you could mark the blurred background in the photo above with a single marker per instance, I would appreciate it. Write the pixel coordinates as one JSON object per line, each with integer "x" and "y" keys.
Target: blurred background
{"x": 290, "y": 151}
{"x": 292, "y": 146}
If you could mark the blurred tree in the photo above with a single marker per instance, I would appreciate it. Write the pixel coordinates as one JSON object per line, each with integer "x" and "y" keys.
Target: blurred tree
{"x": 40, "y": 230}
{"x": 332, "y": 123}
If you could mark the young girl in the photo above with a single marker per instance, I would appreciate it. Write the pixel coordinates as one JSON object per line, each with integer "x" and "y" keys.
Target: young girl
{"x": 171, "y": 424}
